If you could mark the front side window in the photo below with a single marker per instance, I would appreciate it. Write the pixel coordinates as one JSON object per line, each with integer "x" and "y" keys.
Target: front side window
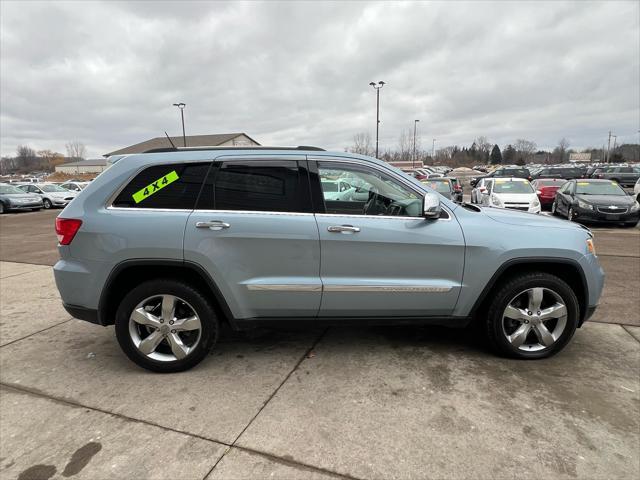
{"x": 261, "y": 185}
{"x": 169, "y": 186}
{"x": 369, "y": 192}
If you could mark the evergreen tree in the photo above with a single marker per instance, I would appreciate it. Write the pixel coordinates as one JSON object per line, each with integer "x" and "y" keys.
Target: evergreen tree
{"x": 496, "y": 155}
{"x": 509, "y": 155}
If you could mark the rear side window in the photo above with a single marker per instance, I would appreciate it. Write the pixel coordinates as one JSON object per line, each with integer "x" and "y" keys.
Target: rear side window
{"x": 261, "y": 185}
{"x": 171, "y": 186}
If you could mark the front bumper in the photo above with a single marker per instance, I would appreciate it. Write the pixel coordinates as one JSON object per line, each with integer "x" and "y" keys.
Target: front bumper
{"x": 594, "y": 216}
{"x": 24, "y": 206}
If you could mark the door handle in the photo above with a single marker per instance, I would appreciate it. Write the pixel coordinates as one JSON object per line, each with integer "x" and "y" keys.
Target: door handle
{"x": 343, "y": 229}
{"x": 213, "y": 225}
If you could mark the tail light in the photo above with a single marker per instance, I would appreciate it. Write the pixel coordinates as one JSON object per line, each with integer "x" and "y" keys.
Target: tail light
{"x": 66, "y": 229}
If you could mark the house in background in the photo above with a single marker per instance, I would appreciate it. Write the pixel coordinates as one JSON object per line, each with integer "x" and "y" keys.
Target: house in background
{"x": 214, "y": 140}
{"x": 92, "y": 165}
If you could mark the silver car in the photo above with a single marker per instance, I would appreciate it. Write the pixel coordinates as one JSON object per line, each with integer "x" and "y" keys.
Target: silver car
{"x": 52, "y": 195}
{"x": 12, "y": 198}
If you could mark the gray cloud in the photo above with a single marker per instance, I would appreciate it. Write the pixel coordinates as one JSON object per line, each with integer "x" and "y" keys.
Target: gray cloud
{"x": 298, "y": 72}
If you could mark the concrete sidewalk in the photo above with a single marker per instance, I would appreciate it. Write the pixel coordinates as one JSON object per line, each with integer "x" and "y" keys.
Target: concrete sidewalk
{"x": 355, "y": 403}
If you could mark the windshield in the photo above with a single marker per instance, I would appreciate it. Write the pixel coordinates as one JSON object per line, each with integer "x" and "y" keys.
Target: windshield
{"x": 507, "y": 186}
{"x": 10, "y": 189}
{"x": 598, "y": 188}
{"x": 516, "y": 172}
{"x": 53, "y": 188}
{"x": 329, "y": 187}
{"x": 550, "y": 183}
{"x": 440, "y": 187}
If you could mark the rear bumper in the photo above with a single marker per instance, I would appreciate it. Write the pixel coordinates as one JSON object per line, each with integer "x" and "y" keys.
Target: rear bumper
{"x": 82, "y": 313}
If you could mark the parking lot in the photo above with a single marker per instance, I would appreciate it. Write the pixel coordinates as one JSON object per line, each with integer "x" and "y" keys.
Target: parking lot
{"x": 400, "y": 402}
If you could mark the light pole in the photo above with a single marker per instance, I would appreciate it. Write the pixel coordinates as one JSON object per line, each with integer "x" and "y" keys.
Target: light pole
{"x": 377, "y": 89}
{"x": 433, "y": 151}
{"x": 181, "y": 107}
{"x": 415, "y": 125}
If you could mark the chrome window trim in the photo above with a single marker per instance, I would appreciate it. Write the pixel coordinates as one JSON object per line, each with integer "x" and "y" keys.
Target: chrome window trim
{"x": 252, "y": 212}
{"x": 383, "y": 217}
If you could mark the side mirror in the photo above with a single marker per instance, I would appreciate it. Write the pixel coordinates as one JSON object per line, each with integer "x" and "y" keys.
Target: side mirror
{"x": 431, "y": 206}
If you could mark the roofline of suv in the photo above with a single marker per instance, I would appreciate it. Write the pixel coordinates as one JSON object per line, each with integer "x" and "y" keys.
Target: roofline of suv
{"x": 255, "y": 147}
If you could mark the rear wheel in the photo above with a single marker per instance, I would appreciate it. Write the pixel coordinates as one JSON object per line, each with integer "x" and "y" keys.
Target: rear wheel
{"x": 532, "y": 316}
{"x": 166, "y": 326}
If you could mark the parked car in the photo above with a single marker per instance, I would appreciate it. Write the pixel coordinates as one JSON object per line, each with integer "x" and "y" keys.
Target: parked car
{"x": 12, "y": 198}
{"x": 546, "y": 190}
{"x": 52, "y": 195}
{"x": 567, "y": 173}
{"x": 511, "y": 193}
{"x": 589, "y": 200}
{"x": 480, "y": 190}
{"x": 517, "y": 172}
{"x": 458, "y": 189}
{"x": 166, "y": 246}
{"x": 636, "y": 190}
{"x": 74, "y": 186}
{"x": 334, "y": 188}
{"x": 441, "y": 185}
{"x": 625, "y": 176}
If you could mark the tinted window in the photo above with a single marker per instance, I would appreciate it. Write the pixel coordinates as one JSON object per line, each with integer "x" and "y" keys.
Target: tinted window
{"x": 370, "y": 192}
{"x": 174, "y": 186}
{"x": 625, "y": 170}
{"x": 261, "y": 185}
{"x": 516, "y": 172}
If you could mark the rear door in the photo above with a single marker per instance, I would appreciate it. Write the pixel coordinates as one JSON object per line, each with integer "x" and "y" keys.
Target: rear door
{"x": 380, "y": 257}
{"x": 255, "y": 233}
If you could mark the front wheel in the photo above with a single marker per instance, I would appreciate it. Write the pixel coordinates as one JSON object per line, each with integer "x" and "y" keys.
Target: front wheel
{"x": 554, "y": 209}
{"x": 570, "y": 214}
{"x": 47, "y": 203}
{"x": 1, "y": 208}
{"x": 166, "y": 326}
{"x": 532, "y": 316}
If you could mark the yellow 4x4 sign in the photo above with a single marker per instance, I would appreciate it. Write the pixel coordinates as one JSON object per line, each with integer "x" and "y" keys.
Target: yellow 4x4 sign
{"x": 153, "y": 187}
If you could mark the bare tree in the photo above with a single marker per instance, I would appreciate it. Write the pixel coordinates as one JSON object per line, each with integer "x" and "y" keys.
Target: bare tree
{"x": 561, "y": 149}
{"x": 76, "y": 150}
{"x": 484, "y": 147}
{"x": 405, "y": 146}
{"x": 524, "y": 150}
{"x": 362, "y": 144}
{"x": 50, "y": 159}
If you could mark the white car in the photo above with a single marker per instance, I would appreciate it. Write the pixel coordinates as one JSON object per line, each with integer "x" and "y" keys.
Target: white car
{"x": 74, "y": 186}
{"x": 636, "y": 190}
{"x": 52, "y": 195}
{"x": 512, "y": 193}
{"x": 480, "y": 190}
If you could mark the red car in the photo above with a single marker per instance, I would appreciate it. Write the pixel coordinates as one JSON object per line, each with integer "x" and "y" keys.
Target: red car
{"x": 546, "y": 189}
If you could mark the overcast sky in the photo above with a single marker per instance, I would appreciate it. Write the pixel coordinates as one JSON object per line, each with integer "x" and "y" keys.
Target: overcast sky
{"x": 297, "y": 73}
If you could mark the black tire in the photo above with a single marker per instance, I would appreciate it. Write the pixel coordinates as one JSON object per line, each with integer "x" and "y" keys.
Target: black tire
{"x": 507, "y": 291}
{"x": 570, "y": 214}
{"x": 2, "y": 210}
{"x": 47, "y": 203}
{"x": 554, "y": 209}
{"x": 210, "y": 326}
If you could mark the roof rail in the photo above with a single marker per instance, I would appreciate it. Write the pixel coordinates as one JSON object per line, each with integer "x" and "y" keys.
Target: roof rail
{"x": 191, "y": 149}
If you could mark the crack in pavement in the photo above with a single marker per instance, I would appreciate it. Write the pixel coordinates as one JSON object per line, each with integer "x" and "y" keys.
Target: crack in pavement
{"x": 624, "y": 327}
{"x": 36, "y": 333}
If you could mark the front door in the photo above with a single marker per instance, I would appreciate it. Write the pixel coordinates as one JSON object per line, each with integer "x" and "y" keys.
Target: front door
{"x": 380, "y": 257}
{"x": 255, "y": 233}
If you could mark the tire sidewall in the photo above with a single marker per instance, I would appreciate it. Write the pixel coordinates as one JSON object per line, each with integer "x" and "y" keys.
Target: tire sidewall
{"x": 203, "y": 308}
{"x": 509, "y": 291}
{"x": 47, "y": 203}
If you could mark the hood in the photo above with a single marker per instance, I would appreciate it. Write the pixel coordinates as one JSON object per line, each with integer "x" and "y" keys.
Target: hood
{"x": 515, "y": 217}
{"x": 516, "y": 197}
{"x": 606, "y": 200}
{"x": 19, "y": 195}
{"x": 62, "y": 194}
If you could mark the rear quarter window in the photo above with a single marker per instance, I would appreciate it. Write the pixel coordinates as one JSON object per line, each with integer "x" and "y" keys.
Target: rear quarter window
{"x": 170, "y": 186}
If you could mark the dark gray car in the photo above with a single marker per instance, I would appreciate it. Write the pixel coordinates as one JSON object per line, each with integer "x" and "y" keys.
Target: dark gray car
{"x": 12, "y": 198}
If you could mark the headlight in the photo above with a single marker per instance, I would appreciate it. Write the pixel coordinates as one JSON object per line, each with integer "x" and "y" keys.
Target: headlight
{"x": 585, "y": 205}
{"x": 496, "y": 201}
{"x": 536, "y": 203}
{"x": 635, "y": 207}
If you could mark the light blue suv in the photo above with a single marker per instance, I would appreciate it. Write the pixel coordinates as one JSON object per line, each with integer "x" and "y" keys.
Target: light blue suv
{"x": 168, "y": 244}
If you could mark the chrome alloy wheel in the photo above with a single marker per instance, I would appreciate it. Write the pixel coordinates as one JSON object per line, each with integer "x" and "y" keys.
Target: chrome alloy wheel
{"x": 165, "y": 328}
{"x": 534, "y": 319}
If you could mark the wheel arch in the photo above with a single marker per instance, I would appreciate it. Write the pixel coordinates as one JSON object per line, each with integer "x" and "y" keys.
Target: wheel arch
{"x": 130, "y": 273}
{"x": 564, "y": 268}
